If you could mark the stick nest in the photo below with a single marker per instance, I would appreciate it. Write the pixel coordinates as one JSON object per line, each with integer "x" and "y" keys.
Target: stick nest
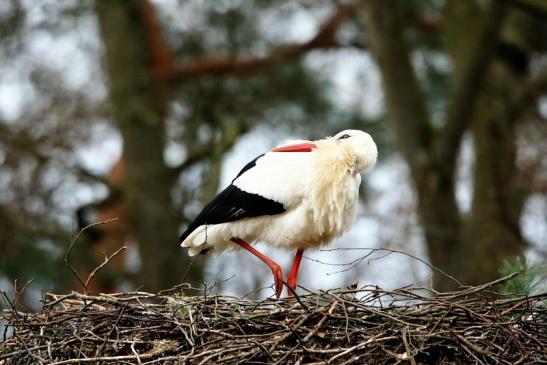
{"x": 366, "y": 325}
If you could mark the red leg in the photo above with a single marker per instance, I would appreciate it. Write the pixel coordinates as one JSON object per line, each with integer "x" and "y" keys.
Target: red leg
{"x": 291, "y": 279}
{"x": 276, "y": 269}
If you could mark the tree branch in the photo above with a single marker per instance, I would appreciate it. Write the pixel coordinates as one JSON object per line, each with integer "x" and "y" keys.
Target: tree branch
{"x": 467, "y": 88}
{"x": 405, "y": 101}
{"x": 71, "y": 246}
{"x": 535, "y": 8}
{"x": 527, "y": 96}
{"x": 90, "y": 175}
{"x": 245, "y": 65}
{"x": 103, "y": 264}
{"x": 200, "y": 152}
{"x": 161, "y": 55}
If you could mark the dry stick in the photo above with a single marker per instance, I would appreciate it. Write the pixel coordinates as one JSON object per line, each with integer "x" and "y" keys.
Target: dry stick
{"x": 404, "y": 332}
{"x": 20, "y": 292}
{"x": 12, "y": 306}
{"x": 467, "y": 343}
{"x": 352, "y": 360}
{"x": 20, "y": 352}
{"x": 163, "y": 360}
{"x": 27, "y": 350}
{"x": 263, "y": 349}
{"x": 347, "y": 321}
{"x": 106, "y": 261}
{"x": 395, "y": 251}
{"x": 189, "y": 268}
{"x": 102, "y": 358}
{"x": 525, "y": 301}
{"x": 377, "y": 312}
{"x": 105, "y": 339}
{"x": 73, "y": 242}
{"x": 287, "y": 335}
{"x": 288, "y": 353}
{"x": 295, "y": 296}
{"x": 358, "y": 346}
{"x": 480, "y": 288}
{"x": 350, "y": 264}
{"x": 176, "y": 288}
{"x": 135, "y": 353}
{"x": 321, "y": 321}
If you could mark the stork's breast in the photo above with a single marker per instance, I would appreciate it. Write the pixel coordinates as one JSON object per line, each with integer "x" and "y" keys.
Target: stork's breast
{"x": 334, "y": 207}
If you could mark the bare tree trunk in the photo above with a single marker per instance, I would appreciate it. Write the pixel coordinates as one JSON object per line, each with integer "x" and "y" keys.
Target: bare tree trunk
{"x": 407, "y": 112}
{"x": 431, "y": 153}
{"x": 138, "y": 105}
{"x": 492, "y": 231}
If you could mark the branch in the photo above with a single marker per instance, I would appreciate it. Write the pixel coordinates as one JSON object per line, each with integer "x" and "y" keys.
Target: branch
{"x": 71, "y": 246}
{"x": 373, "y": 250}
{"x": 87, "y": 174}
{"x": 405, "y": 101}
{"x": 246, "y": 65}
{"x": 161, "y": 55}
{"x": 467, "y": 88}
{"x": 535, "y": 8}
{"x": 527, "y": 95}
{"x": 20, "y": 292}
{"x": 195, "y": 155}
{"x": 198, "y": 153}
{"x": 106, "y": 261}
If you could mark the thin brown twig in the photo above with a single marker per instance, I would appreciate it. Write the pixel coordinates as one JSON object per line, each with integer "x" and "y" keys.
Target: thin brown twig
{"x": 73, "y": 243}
{"x": 103, "y": 264}
{"x": 407, "y": 346}
{"x": 390, "y": 250}
{"x": 19, "y": 293}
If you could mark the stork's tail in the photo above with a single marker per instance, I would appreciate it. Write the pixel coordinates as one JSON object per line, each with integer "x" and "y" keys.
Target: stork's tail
{"x": 197, "y": 240}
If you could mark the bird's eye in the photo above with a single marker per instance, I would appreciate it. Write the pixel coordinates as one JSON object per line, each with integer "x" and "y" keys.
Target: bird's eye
{"x": 344, "y": 136}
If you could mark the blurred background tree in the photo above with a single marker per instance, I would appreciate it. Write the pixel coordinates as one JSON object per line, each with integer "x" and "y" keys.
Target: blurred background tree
{"x": 179, "y": 84}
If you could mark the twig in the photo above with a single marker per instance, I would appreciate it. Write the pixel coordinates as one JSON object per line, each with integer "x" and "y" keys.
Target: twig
{"x": 135, "y": 353}
{"x": 73, "y": 242}
{"x": 390, "y": 250}
{"x": 407, "y": 346}
{"x": 295, "y": 296}
{"x": 321, "y": 321}
{"x": 106, "y": 261}
{"x": 19, "y": 293}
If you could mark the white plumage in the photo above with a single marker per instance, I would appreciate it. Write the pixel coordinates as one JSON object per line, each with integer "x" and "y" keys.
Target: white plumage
{"x": 295, "y": 197}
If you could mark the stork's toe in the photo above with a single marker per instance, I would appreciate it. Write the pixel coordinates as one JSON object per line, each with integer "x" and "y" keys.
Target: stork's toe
{"x": 278, "y": 280}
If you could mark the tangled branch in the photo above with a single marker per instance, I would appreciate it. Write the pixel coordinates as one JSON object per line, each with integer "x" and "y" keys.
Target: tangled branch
{"x": 106, "y": 260}
{"x": 358, "y": 325}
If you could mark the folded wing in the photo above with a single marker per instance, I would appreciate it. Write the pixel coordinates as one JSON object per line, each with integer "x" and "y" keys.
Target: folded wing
{"x": 271, "y": 184}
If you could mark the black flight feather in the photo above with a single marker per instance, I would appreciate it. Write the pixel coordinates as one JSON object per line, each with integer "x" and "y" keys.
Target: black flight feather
{"x": 249, "y": 166}
{"x": 233, "y": 204}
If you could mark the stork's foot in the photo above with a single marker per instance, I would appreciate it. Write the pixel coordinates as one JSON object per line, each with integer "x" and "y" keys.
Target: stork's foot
{"x": 291, "y": 287}
{"x": 293, "y": 274}
{"x": 278, "y": 279}
{"x": 276, "y": 269}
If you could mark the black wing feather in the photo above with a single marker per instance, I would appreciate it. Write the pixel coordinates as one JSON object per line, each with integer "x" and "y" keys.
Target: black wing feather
{"x": 233, "y": 204}
{"x": 249, "y": 166}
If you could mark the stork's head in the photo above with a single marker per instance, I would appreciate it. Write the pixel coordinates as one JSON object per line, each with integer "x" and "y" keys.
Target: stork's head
{"x": 360, "y": 145}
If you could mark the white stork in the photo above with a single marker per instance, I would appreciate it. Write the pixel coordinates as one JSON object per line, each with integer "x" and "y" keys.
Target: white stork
{"x": 296, "y": 196}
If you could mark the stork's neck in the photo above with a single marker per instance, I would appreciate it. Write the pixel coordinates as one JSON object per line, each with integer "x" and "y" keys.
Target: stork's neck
{"x": 350, "y": 161}
{"x": 333, "y": 184}
{"x": 331, "y": 155}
